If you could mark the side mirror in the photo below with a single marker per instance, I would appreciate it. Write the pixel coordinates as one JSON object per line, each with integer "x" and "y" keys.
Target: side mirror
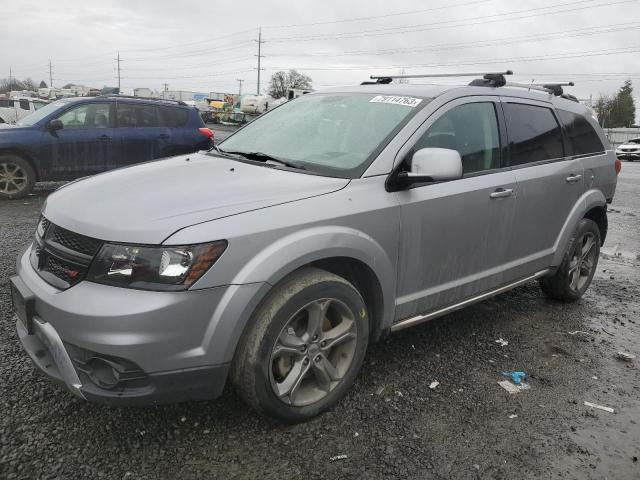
{"x": 433, "y": 165}
{"x": 54, "y": 125}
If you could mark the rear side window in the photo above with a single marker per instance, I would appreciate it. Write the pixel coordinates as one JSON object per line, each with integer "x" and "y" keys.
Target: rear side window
{"x": 582, "y": 137}
{"x": 4, "y": 103}
{"x": 172, "y": 117}
{"x": 534, "y": 133}
{"x": 141, "y": 116}
{"x": 24, "y": 104}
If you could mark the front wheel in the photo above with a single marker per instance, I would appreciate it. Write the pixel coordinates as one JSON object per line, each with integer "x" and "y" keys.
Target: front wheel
{"x": 16, "y": 177}
{"x": 579, "y": 264}
{"x": 304, "y": 347}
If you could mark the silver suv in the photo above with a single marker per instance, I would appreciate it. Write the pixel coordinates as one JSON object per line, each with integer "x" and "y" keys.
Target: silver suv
{"x": 276, "y": 258}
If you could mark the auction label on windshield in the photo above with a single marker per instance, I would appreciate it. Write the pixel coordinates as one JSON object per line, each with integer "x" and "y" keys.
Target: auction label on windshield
{"x": 406, "y": 101}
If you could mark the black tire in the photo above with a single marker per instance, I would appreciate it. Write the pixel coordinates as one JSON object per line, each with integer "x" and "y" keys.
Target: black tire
{"x": 17, "y": 177}
{"x": 254, "y": 368}
{"x": 562, "y": 285}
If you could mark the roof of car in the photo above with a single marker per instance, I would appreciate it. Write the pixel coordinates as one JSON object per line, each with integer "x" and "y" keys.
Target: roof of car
{"x": 114, "y": 97}
{"x": 433, "y": 90}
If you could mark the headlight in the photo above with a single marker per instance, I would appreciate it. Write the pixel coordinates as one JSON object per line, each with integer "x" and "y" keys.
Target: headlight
{"x": 154, "y": 268}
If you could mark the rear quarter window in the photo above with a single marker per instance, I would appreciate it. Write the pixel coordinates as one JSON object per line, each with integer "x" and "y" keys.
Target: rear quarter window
{"x": 583, "y": 138}
{"x": 173, "y": 116}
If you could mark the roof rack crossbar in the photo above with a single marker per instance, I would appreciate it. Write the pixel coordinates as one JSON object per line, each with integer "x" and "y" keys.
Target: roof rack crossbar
{"x": 552, "y": 88}
{"x": 440, "y": 75}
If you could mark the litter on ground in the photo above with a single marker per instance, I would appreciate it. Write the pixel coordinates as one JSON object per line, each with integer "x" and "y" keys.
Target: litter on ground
{"x": 433, "y": 385}
{"x": 338, "y": 457}
{"x": 502, "y": 342}
{"x": 511, "y": 388}
{"x": 516, "y": 376}
{"x": 513, "y": 416}
{"x": 627, "y": 357}
{"x": 599, "y": 407}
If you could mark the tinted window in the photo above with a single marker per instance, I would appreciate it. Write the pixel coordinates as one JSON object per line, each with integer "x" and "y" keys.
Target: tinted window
{"x": 582, "y": 137}
{"x": 4, "y": 103}
{"x": 472, "y": 130}
{"x": 534, "y": 133}
{"x": 172, "y": 117}
{"x": 132, "y": 116}
{"x": 24, "y": 104}
{"x": 90, "y": 115}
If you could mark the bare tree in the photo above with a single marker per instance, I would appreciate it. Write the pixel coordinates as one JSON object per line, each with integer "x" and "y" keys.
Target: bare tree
{"x": 281, "y": 82}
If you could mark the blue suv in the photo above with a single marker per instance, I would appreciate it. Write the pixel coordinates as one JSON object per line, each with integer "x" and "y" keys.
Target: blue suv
{"x": 76, "y": 137}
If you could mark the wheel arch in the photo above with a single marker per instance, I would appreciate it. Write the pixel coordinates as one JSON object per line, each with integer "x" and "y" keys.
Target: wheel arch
{"x": 592, "y": 203}
{"x": 599, "y": 215}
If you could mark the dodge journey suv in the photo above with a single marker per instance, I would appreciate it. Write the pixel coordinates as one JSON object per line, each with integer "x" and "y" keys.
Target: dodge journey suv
{"x": 275, "y": 259}
{"x": 76, "y": 137}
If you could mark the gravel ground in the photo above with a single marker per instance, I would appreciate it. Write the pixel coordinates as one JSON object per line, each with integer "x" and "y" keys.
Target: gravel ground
{"x": 391, "y": 424}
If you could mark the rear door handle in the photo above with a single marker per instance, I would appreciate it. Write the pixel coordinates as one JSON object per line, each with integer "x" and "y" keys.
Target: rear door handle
{"x": 573, "y": 178}
{"x": 104, "y": 138}
{"x": 163, "y": 136}
{"x": 502, "y": 193}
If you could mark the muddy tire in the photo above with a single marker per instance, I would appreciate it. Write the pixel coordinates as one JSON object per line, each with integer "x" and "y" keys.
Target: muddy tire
{"x": 303, "y": 348}
{"x": 578, "y": 266}
{"x": 17, "y": 177}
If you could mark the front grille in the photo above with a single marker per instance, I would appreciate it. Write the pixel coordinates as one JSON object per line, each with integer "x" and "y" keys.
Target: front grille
{"x": 62, "y": 257}
{"x": 74, "y": 241}
{"x": 65, "y": 271}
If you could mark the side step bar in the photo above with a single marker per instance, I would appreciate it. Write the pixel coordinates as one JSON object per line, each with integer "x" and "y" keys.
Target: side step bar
{"x": 411, "y": 321}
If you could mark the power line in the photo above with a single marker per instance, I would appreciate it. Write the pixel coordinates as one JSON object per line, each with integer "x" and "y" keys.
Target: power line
{"x": 442, "y": 24}
{"x": 375, "y": 17}
{"x": 592, "y": 53}
{"x": 615, "y": 28}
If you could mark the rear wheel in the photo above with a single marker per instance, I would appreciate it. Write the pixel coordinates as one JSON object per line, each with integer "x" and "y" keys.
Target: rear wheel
{"x": 304, "y": 347}
{"x": 16, "y": 177}
{"x": 579, "y": 264}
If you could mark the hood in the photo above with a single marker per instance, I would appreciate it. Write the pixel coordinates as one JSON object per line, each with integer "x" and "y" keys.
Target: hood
{"x": 148, "y": 202}
{"x": 629, "y": 145}
{"x": 7, "y": 126}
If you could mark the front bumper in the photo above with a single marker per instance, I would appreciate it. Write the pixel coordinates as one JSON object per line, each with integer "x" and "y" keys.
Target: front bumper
{"x": 161, "y": 347}
{"x": 628, "y": 155}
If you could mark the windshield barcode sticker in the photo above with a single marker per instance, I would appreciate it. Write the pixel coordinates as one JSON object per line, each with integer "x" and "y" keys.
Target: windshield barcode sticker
{"x": 406, "y": 101}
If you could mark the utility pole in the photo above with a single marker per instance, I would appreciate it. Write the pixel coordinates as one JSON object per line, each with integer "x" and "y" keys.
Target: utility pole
{"x": 260, "y": 56}
{"x": 50, "y": 75}
{"x": 240, "y": 80}
{"x": 118, "y": 72}
{"x": 166, "y": 86}
{"x": 10, "y": 80}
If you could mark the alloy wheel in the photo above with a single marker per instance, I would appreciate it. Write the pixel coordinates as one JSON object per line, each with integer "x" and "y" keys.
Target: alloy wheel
{"x": 13, "y": 178}
{"x": 313, "y": 352}
{"x": 583, "y": 261}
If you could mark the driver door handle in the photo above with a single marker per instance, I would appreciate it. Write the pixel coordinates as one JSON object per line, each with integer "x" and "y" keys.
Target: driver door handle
{"x": 502, "y": 193}
{"x": 573, "y": 178}
{"x": 104, "y": 138}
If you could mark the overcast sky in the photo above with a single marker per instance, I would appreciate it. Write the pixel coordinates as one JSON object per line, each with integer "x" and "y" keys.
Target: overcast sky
{"x": 205, "y": 46}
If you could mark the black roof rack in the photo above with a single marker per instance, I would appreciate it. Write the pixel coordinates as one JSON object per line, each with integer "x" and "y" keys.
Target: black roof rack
{"x": 116, "y": 95}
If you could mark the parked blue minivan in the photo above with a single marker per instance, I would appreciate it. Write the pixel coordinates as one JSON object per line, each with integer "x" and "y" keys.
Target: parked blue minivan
{"x": 76, "y": 137}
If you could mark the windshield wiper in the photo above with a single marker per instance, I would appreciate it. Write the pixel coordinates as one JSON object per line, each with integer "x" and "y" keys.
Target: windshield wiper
{"x": 263, "y": 157}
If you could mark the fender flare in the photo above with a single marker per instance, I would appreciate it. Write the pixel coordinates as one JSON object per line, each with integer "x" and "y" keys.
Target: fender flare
{"x": 276, "y": 261}
{"x": 590, "y": 199}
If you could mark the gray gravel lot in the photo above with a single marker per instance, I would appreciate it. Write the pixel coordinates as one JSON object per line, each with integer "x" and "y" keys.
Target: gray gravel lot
{"x": 391, "y": 425}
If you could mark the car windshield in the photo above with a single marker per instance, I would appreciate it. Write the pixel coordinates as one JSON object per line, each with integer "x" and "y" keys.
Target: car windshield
{"x": 635, "y": 140}
{"x": 41, "y": 113}
{"x": 333, "y": 134}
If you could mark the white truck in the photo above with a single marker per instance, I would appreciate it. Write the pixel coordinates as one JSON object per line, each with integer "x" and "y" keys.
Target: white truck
{"x": 14, "y": 109}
